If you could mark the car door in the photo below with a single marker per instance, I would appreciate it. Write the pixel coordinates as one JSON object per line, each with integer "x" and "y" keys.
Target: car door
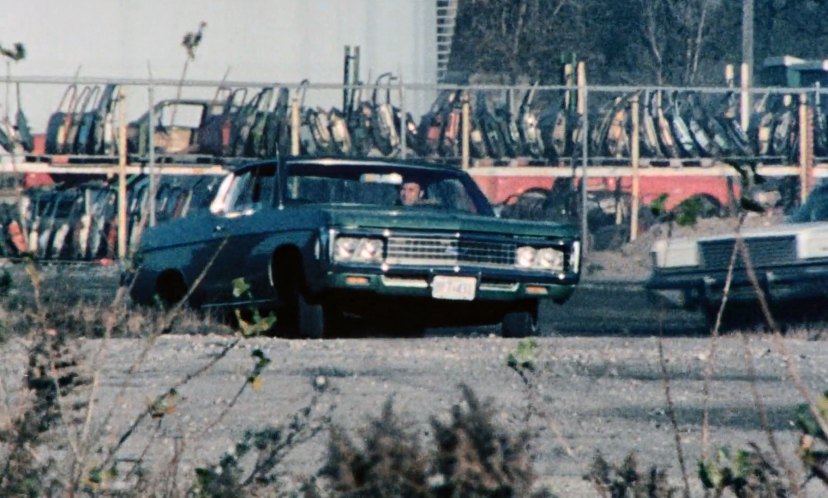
{"x": 245, "y": 225}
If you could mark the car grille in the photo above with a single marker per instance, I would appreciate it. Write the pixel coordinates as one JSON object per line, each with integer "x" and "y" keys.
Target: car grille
{"x": 764, "y": 251}
{"x": 445, "y": 251}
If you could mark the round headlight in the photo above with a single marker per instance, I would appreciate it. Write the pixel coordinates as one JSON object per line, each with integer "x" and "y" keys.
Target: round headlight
{"x": 551, "y": 259}
{"x": 369, "y": 250}
{"x": 345, "y": 247}
{"x": 525, "y": 256}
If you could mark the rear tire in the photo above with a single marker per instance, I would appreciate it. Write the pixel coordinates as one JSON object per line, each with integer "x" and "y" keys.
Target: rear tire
{"x": 521, "y": 322}
{"x": 170, "y": 289}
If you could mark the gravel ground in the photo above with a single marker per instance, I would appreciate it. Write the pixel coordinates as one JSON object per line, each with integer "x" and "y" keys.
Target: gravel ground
{"x": 599, "y": 393}
{"x": 603, "y": 392}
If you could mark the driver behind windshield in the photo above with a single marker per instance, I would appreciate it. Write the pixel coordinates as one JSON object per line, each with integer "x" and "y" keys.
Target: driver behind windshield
{"x": 411, "y": 193}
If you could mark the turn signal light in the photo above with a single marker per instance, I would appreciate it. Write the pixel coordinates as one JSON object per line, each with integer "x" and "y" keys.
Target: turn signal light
{"x": 356, "y": 281}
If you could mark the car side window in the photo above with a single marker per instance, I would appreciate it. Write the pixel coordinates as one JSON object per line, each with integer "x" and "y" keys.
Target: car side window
{"x": 252, "y": 191}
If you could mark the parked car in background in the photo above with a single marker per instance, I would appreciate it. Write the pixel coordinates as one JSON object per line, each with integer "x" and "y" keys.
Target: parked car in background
{"x": 790, "y": 261}
{"x": 320, "y": 239}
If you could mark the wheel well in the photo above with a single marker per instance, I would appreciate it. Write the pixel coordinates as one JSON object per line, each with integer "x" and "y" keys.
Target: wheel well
{"x": 291, "y": 274}
{"x": 170, "y": 287}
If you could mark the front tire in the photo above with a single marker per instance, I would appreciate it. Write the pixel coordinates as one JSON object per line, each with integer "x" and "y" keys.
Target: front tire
{"x": 521, "y": 322}
{"x": 312, "y": 319}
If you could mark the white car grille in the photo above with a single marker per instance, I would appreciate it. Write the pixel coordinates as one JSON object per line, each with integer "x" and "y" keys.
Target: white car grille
{"x": 764, "y": 251}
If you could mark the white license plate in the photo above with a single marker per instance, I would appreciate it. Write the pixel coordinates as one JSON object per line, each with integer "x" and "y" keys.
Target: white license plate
{"x": 450, "y": 287}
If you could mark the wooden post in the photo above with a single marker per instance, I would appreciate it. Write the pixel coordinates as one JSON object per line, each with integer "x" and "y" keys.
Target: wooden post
{"x": 582, "y": 110}
{"x": 122, "y": 191}
{"x": 581, "y": 88}
{"x": 294, "y": 127}
{"x": 153, "y": 180}
{"x": 466, "y": 131}
{"x": 730, "y": 76}
{"x": 745, "y": 82}
{"x": 805, "y": 147}
{"x": 635, "y": 153}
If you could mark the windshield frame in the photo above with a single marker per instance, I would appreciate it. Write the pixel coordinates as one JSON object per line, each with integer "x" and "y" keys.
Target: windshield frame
{"x": 427, "y": 173}
{"x": 817, "y": 201}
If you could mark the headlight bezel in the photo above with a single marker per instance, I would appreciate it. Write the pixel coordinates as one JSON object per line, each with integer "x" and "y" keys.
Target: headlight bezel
{"x": 542, "y": 258}
{"x": 365, "y": 249}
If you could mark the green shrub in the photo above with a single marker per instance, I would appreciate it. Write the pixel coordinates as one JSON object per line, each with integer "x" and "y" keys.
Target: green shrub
{"x": 471, "y": 457}
{"x": 625, "y": 480}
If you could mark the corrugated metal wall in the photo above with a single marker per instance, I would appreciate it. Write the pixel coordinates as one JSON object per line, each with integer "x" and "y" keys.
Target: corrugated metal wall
{"x": 256, "y": 40}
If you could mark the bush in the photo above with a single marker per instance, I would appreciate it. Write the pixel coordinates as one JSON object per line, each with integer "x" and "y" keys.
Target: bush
{"x": 625, "y": 480}
{"x": 472, "y": 457}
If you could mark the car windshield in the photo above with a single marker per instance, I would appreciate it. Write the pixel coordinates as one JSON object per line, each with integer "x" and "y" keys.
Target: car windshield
{"x": 383, "y": 185}
{"x": 815, "y": 207}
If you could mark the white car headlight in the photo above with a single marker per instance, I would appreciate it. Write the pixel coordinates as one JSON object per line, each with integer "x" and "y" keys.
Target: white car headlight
{"x": 812, "y": 243}
{"x": 675, "y": 253}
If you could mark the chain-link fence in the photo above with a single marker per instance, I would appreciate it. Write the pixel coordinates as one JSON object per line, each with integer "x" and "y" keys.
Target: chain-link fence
{"x": 568, "y": 132}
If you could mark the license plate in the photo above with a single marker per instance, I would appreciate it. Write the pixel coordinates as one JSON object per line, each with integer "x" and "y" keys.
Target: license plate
{"x": 450, "y": 287}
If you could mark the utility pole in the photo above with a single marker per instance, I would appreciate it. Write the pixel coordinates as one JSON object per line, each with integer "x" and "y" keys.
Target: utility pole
{"x": 746, "y": 73}
{"x": 747, "y": 34}
{"x": 747, "y": 38}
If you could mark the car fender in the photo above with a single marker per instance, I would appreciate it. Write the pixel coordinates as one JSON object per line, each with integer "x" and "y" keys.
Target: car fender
{"x": 309, "y": 245}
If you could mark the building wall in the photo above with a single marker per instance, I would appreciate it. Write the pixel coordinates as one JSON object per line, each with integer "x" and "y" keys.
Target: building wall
{"x": 255, "y": 40}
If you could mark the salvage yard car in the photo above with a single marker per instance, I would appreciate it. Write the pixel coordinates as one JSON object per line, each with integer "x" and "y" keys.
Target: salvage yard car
{"x": 319, "y": 240}
{"x": 790, "y": 262}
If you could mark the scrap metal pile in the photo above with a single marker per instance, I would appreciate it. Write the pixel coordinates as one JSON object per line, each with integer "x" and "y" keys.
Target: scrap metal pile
{"x": 543, "y": 128}
{"x": 79, "y": 222}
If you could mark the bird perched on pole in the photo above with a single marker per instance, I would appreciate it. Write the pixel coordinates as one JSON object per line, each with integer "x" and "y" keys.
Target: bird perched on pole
{"x": 16, "y": 53}
{"x": 191, "y": 40}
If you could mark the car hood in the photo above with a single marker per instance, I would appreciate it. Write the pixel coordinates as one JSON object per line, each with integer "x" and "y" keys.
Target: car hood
{"x": 780, "y": 230}
{"x": 420, "y": 218}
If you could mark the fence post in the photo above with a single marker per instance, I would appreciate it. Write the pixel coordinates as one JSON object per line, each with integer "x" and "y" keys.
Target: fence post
{"x": 745, "y": 108}
{"x": 634, "y": 152}
{"x": 466, "y": 131}
{"x": 403, "y": 121}
{"x": 294, "y": 127}
{"x": 582, "y": 110}
{"x": 153, "y": 180}
{"x": 122, "y": 191}
{"x": 805, "y": 147}
{"x": 730, "y": 76}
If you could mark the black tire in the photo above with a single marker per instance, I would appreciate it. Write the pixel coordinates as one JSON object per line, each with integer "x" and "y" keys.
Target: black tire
{"x": 171, "y": 289}
{"x": 521, "y": 322}
{"x": 311, "y": 318}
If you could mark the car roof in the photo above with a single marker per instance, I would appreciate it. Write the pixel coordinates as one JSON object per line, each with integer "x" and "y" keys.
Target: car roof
{"x": 370, "y": 161}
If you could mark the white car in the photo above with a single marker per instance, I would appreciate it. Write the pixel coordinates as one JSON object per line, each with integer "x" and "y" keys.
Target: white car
{"x": 790, "y": 262}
